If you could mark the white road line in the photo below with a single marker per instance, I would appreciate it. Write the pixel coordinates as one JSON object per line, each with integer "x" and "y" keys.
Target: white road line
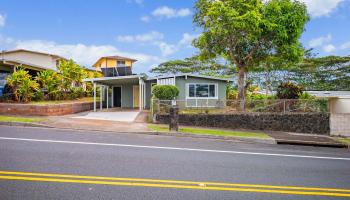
{"x": 173, "y": 148}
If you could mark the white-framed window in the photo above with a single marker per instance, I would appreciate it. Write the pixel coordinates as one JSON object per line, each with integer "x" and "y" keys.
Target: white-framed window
{"x": 202, "y": 91}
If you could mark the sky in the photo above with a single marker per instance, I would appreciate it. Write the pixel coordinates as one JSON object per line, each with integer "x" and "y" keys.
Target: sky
{"x": 151, "y": 31}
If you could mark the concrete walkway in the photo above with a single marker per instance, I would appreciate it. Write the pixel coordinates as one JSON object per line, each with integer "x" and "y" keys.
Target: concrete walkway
{"x": 120, "y": 121}
{"x": 122, "y": 116}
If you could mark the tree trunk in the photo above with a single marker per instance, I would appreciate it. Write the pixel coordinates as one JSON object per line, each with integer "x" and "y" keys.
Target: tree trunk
{"x": 268, "y": 83}
{"x": 241, "y": 87}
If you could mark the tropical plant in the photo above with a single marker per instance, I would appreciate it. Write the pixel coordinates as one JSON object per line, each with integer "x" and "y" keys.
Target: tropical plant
{"x": 50, "y": 82}
{"x": 72, "y": 74}
{"x": 22, "y": 84}
{"x": 289, "y": 90}
{"x": 165, "y": 92}
{"x": 247, "y": 32}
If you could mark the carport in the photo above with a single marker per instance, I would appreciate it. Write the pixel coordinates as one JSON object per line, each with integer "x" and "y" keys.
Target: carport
{"x": 120, "y": 91}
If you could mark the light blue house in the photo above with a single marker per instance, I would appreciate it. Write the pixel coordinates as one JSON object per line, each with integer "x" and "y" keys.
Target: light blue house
{"x": 121, "y": 88}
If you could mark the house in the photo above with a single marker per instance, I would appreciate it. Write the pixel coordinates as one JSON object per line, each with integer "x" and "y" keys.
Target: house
{"x": 33, "y": 61}
{"x": 120, "y": 87}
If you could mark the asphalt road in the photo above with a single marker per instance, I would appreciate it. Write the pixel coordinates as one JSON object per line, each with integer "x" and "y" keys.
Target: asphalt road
{"x": 154, "y": 160}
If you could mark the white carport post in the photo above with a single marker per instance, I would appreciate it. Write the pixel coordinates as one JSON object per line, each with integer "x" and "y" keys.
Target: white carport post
{"x": 94, "y": 96}
{"x": 101, "y": 94}
{"x": 107, "y": 87}
{"x": 141, "y": 94}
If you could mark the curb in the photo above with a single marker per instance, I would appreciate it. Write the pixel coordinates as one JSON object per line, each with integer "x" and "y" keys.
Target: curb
{"x": 25, "y": 124}
{"x": 313, "y": 143}
{"x": 237, "y": 139}
{"x": 240, "y": 139}
{"x": 233, "y": 139}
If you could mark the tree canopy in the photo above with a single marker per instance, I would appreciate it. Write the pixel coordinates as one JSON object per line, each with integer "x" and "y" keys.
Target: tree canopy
{"x": 195, "y": 65}
{"x": 247, "y": 32}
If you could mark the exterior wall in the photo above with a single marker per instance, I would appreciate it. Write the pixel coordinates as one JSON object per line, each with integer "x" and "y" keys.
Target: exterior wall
{"x": 314, "y": 123}
{"x": 110, "y": 63}
{"x": 44, "y": 110}
{"x": 127, "y": 96}
{"x": 340, "y": 116}
{"x": 33, "y": 58}
{"x": 339, "y": 105}
{"x": 340, "y": 124}
{"x": 182, "y": 81}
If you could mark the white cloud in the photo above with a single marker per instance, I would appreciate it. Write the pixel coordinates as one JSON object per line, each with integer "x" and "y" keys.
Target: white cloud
{"x": 318, "y": 8}
{"x": 187, "y": 39}
{"x": 329, "y": 48}
{"x": 168, "y": 12}
{"x": 147, "y": 37}
{"x": 2, "y": 21}
{"x": 317, "y": 42}
{"x": 139, "y": 2}
{"x": 346, "y": 45}
{"x": 155, "y": 38}
{"x": 145, "y": 19}
{"x": 167, "y": 49}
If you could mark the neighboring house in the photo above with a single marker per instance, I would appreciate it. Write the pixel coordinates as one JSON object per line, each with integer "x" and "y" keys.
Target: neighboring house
{"x": 121, "y": 88}
{"x": 32, "y": 61}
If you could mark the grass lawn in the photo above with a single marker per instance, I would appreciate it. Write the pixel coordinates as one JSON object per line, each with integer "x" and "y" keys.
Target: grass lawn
{"x": 202, "y": 131}
{"x": 343, "y": 140}
{"x": 19, "y": 119}
{"x": 85, "y": 99}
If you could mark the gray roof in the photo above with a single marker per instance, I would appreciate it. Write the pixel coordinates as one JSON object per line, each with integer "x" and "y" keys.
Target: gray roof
{"x": 330, "y": 94}
{"x": 25, "y": 50}
{"x": 19, "y": 62}
{"x": 191, "y": 75}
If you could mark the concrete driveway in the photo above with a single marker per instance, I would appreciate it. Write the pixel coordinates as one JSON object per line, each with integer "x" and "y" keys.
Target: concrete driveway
{"x": 119, "y": 116}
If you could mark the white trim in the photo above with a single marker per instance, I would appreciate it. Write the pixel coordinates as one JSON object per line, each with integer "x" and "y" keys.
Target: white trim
{"x": 121, "y": 95}
{"x": 216, "y": 91}
{"x": 190, "y": 75}
{"x": 112, "y": 78}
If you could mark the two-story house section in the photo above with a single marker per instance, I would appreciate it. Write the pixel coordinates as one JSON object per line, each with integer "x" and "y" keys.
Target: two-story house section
{"x": 115, "y": 66}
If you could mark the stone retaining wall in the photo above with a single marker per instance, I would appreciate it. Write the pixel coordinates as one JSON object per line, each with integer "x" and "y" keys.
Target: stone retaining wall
{"x": 44, "y": 110}
{"x": 315, "y": 123}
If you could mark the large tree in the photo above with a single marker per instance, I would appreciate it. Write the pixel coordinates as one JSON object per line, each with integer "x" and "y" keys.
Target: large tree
{"x": 193, "y": 64}
{"x": 248, "y": 31}
{"x": 323, "y": 73}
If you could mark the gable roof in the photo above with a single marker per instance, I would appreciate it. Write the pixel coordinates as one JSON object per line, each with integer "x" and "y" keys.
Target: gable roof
{"x": 30, "y": 51}
{"x": 27, "y": 64}
{"x": 190, "y": 75}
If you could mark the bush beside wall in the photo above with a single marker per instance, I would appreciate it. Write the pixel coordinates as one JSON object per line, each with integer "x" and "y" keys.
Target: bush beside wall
{"x": 314, "y": 123}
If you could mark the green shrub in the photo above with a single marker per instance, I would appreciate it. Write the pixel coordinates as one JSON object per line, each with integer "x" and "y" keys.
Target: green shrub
{"x": 165, "y": 92}
{"x": 306, "y": 96}
{"x": 22, "y": 85}
{"x": 50, "y": 82}
{"x": 232, "y": 94}
{"x": 289, "y": 90}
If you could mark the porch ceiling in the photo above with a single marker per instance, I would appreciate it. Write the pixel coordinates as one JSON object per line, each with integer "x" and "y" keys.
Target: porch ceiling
{"x": 119, "y": 80}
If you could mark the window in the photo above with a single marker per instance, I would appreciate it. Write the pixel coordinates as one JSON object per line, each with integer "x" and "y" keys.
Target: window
{"x": 120, "y": 63}
{"x": 201, "y": 90}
